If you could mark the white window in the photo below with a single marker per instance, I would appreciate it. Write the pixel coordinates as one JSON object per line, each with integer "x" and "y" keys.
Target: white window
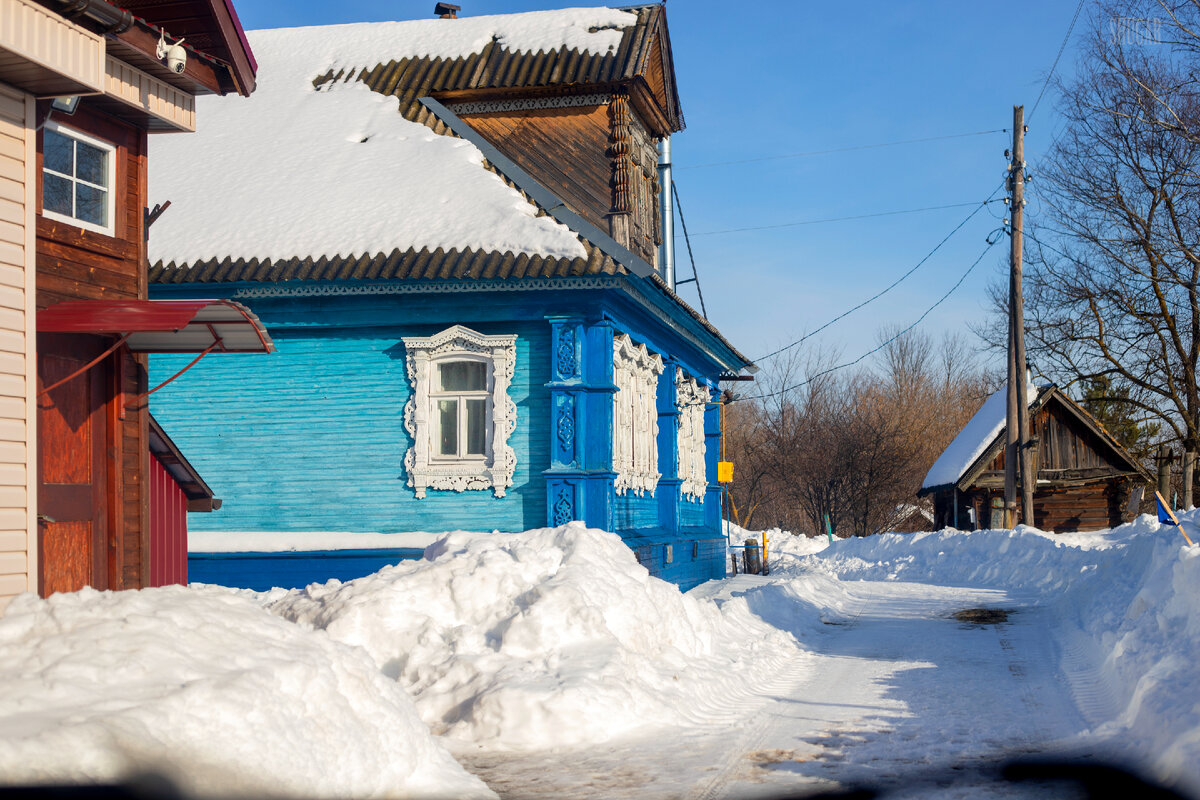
{"x": 691, "y": 397}
{"x": 77, "y": 178}
{"x": 459, "y": 413}
{"x": 635, "y": 416}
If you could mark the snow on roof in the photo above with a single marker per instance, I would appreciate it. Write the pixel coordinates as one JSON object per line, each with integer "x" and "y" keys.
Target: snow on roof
{"x": 973, "y": 439}
{"x": 293, "y": 172}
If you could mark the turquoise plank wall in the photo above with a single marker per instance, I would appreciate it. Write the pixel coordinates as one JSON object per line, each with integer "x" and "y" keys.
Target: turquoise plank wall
{"x": 338, "y": 466}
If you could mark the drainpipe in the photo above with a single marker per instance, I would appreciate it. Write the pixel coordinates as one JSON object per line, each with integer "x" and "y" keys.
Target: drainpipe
{"x": 111, "y": 18}
{"x": 666, "y": 253}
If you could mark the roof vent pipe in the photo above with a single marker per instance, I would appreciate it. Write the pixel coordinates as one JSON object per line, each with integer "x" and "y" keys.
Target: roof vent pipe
{"x": 447, "y": 10}
{"x": 666, "y": 253}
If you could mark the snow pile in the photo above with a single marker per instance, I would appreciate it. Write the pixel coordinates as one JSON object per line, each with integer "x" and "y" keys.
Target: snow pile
{"x": 206, "y": 687}
{"x": 337, "y": 170}
{"x": 551, "y": 637}
{"x": 1126, "y": 603}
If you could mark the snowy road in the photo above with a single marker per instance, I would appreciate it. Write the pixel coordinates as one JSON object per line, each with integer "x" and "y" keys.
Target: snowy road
{"x": 893, "y": 687}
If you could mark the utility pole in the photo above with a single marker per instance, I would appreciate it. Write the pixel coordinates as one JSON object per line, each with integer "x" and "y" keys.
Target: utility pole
{"x": 1017, "y": 456}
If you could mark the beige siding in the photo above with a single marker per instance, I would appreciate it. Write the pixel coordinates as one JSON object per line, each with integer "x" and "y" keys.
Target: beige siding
{"x": 18, "y": 523}
{"x": 44, "y": 53}
{"x": 154, "y": 97}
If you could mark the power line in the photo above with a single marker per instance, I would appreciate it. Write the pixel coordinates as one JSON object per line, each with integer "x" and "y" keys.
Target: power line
{"x": 841, "y": 149}
{"x": 942, "y": 299}
{"x": 688, "y": 241}
{"x": 835, "y": 219}
{"x": 1054, "y": 66}
{"x": 894, "y": 284}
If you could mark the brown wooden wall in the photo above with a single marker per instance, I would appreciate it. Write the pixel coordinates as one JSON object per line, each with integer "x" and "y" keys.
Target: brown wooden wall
{"x": 564, "y": 149}
{"x": 1063, "y": 444}
{"x": 76, "y": 264}
{"x": 1095, "y": 506}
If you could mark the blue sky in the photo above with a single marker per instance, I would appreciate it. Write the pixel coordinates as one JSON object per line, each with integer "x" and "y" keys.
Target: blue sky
{"x": 777, "y": 77}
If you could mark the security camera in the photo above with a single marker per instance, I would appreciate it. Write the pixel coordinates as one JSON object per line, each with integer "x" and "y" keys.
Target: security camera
{"x": 176, "y": 59}
{"x": 174, "y": 55}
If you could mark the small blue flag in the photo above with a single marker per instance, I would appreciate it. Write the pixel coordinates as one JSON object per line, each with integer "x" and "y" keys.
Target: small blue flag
{"x": 1164, "y": 513}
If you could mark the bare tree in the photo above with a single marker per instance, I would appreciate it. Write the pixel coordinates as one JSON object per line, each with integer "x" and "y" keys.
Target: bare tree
{"x": 1111, "y": 285}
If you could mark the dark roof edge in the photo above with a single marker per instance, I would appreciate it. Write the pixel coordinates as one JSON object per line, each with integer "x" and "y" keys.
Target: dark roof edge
{"x": 179, "y": 468}
{"x": 540, "y": 194}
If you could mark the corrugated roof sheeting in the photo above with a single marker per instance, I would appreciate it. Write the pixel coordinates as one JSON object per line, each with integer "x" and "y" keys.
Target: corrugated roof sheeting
{"x": 398, "y": 265}
{"x": 495, "y": 67}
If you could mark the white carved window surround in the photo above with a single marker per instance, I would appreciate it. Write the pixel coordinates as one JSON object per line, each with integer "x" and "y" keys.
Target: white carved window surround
{"x": 635, "y": 416}
{"x": 459, "y": 413}
{"x": 691, "y": 397}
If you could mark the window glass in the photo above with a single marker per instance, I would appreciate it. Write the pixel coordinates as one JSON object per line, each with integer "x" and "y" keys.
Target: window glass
{"x": 476, "y": 433}
{"x": 448, "y": 426}
{"x": 56, "y": 194}
{"x": 91, "y": 204}
{"x": 463, "y": 376}
{"x": 58, "y": 153}
{"x": 91, "y": 163}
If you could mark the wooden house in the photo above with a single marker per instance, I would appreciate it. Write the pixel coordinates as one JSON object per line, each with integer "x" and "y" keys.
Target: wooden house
{"x": 1084, "y": 476}
{"x": 82, "y": 85}
{"x": 451, "y": 228}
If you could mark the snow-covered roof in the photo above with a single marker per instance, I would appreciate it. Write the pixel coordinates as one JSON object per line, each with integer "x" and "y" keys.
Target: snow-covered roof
{"x": 975, "y": 437}
{"x": 297, "y": 171}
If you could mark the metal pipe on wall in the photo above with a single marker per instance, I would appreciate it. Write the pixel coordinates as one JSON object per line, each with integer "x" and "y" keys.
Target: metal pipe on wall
{"x": 666, "y": 253}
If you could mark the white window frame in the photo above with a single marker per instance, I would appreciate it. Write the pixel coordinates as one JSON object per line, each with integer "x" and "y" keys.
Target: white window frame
{"x": 437, "y": 394}
{"x": 426, "y": 470}
{"x": 110, "y": 178}
{"x": 692, "y": 398}
{"x": 635, "y": 417}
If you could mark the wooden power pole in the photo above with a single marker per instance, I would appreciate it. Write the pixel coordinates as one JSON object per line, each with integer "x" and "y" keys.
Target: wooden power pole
{"x": 1017, "y": 455}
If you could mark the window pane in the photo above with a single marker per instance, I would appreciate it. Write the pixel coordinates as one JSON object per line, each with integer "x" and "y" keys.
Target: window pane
{"x": 91, "y": 164}
{"x": 91, "y": 204}
{"x": 476, "y": 438}
{"x": 448, "y": 427}
{"x": 58, "y": 153}
{"x": 463, "y": 376}
{"x": 56, "y": 195}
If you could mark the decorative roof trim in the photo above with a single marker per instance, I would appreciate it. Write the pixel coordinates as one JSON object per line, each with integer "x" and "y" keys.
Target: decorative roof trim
{"x": 530, "y": 103}
{"x": 540, "y": 194}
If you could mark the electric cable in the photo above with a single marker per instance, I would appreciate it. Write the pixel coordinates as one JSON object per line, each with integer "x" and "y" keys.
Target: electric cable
{"x": 841, "y": 149}
{"x": 990, "y": 244}
{"x": 688, "y": 242}
{"x": 991, "y": 198}
{"x": 1054, "y": 66}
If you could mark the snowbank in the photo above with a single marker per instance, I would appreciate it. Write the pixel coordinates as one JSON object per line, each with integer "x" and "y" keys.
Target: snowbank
{"x": 206, "y": 687}
{"x": 551, "y": 637}
{"x": 1126, "y": 602}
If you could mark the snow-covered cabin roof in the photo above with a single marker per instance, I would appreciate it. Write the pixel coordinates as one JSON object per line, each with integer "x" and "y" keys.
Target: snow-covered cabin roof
{"x": 979, "y": 442}
{"x": 974, "y": 439}
{"x": 318, "y": 167}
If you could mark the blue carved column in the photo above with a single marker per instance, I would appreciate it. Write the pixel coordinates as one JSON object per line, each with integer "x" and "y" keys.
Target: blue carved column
{"x": 580, "y": 479}
{"x": 712, "y": 454}
{"x": 668, "y": 493}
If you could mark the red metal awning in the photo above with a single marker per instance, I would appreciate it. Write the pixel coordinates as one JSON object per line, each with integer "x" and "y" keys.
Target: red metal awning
{"x": 163, "y": 326}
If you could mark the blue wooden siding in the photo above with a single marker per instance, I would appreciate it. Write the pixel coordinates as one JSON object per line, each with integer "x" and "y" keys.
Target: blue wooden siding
{"x": 312, "y": 438}
{"x": 263, "y": 571}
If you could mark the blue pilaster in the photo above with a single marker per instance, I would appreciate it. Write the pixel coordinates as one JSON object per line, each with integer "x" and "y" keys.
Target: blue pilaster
{"x": 668, "y": 493}
{"x": 579, "y": 482}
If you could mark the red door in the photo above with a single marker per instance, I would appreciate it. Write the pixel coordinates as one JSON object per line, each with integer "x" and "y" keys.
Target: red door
{"x": 72, "y": 465}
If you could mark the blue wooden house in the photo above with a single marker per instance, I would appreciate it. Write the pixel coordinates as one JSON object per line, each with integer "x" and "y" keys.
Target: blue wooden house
{"x": 452, "y": 229}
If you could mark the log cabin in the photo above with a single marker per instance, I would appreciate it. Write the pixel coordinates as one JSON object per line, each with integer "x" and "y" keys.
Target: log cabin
{"x": 83, "y": 84}
{"x": 1085, "y": 478}
{"x": 452, "y": 229}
